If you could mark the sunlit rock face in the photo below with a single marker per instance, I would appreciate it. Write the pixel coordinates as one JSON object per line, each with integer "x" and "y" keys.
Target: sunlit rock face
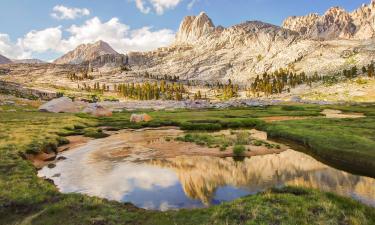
{"x": 336, "y": 23}
{"x": 193, "y": 28}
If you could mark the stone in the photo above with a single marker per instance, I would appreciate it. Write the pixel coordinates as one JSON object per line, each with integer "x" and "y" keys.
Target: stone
{"x": 9, "y": 103}
{"x": 61, "y": 158}
{"x": 51, "y": 165}
{"x": 295, "y": 99}
{"x": 61, "y": 105}
{"x": 97, "y": 110}
{"x": 137, "y": 118}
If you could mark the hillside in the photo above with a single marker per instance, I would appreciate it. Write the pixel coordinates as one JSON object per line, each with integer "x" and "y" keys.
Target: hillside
{"x": 4, "y": 60}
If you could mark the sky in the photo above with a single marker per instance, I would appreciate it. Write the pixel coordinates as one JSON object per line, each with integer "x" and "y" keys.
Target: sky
{"x": 46, "y": 29}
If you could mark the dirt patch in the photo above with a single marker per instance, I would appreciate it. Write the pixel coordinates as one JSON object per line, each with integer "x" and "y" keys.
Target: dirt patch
{"x": 284, "y": 118}
{"x": 43, "y": 159}
{"x": 337, "y": 114}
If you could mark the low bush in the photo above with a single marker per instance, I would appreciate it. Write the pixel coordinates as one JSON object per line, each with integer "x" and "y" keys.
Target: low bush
{"x": 238, "y": 150}
{"x": 95, "y": 133}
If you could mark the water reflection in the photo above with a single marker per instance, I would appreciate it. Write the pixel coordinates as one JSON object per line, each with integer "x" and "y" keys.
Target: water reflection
{"x": 202, "y": 176}
{"x": 194, "y": 181}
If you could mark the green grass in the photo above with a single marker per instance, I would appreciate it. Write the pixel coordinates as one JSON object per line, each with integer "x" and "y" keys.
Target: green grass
{"x": 345, "y": 143}
{"x": 26, "y": 198}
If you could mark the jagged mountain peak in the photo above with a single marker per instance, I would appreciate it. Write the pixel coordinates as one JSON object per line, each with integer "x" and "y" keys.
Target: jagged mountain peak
{"x": 86, "y": 52}
{"x": 192, "y": 28}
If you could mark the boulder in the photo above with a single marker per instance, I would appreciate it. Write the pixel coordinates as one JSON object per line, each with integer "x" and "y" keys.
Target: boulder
{"x": 98, "y": 111}
{"x": 137, "y": 118}
{"x": 61, "y": 105}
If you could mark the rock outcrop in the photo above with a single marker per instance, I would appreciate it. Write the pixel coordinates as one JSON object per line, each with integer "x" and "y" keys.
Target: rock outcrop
{"x": 97, "y": 110}
{"x": 4, "y": 60}
{"x": 62, "y": 105}
{"x": 193, "y": 28}
{"x": 86, "y": 52}
{"x": 336, "y": 23}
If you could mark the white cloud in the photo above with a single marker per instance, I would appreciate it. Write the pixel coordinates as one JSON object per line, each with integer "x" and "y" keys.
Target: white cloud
{"x": 120, "y": 36}
{"x": 11, "y": 50}
{"x": 41, "y": 41}
{"x": 141, "y": 6}
{"x": 61, "y": 12}
{"x": 191, "y": 4}
{"x": 159, "y": 5}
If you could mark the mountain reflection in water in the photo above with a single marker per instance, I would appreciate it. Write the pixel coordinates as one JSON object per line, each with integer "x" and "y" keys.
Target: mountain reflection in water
{"x": 202, "y": 176}
{"x": 195, "y": 181}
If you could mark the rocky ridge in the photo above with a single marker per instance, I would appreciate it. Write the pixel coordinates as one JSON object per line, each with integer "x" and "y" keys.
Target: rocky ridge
{"x": 336, "y": 23}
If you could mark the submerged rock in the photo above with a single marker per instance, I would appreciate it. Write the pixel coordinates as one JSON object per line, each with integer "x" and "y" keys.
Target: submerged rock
{"x": 51, "y": 165}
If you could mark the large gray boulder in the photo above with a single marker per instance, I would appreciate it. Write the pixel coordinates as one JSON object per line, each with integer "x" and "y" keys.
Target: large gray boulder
{"x": 61, "y": 105}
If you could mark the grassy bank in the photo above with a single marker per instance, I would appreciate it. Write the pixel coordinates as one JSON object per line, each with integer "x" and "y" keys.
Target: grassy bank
{"x": 25, "y": 198}
{"x": 345, "y": 143}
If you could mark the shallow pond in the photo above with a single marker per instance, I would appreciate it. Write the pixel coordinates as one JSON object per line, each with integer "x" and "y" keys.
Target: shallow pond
{"x": 127, "y": 168}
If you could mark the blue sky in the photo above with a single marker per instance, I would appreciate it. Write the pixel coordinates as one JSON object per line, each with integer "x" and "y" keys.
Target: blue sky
{"x": 136, "y": 26}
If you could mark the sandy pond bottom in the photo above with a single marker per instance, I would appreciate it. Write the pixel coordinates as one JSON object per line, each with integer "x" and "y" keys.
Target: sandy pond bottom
{"x": 143, "y": 168}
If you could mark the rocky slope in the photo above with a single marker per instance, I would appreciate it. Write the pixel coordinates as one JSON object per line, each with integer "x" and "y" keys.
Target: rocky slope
{"x": 86, "y": 52}
{"x": 336, "y": 23}
{"x": 4, "y": 60}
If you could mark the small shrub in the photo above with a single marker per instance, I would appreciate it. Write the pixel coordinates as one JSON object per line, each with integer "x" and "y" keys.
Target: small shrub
{"x": 95, "y": 133}
{"x": 257, "y": 143}
{"x": 238, "y": 150}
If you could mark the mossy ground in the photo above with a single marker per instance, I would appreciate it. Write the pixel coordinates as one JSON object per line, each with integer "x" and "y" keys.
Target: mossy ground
{"x": 25, "y": 198}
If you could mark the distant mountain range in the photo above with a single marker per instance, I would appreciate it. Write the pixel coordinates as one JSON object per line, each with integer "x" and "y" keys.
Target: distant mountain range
{"x": 5, "y": 60}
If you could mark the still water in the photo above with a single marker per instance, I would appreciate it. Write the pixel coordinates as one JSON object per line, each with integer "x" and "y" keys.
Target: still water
{"x": 192, "y": 181}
